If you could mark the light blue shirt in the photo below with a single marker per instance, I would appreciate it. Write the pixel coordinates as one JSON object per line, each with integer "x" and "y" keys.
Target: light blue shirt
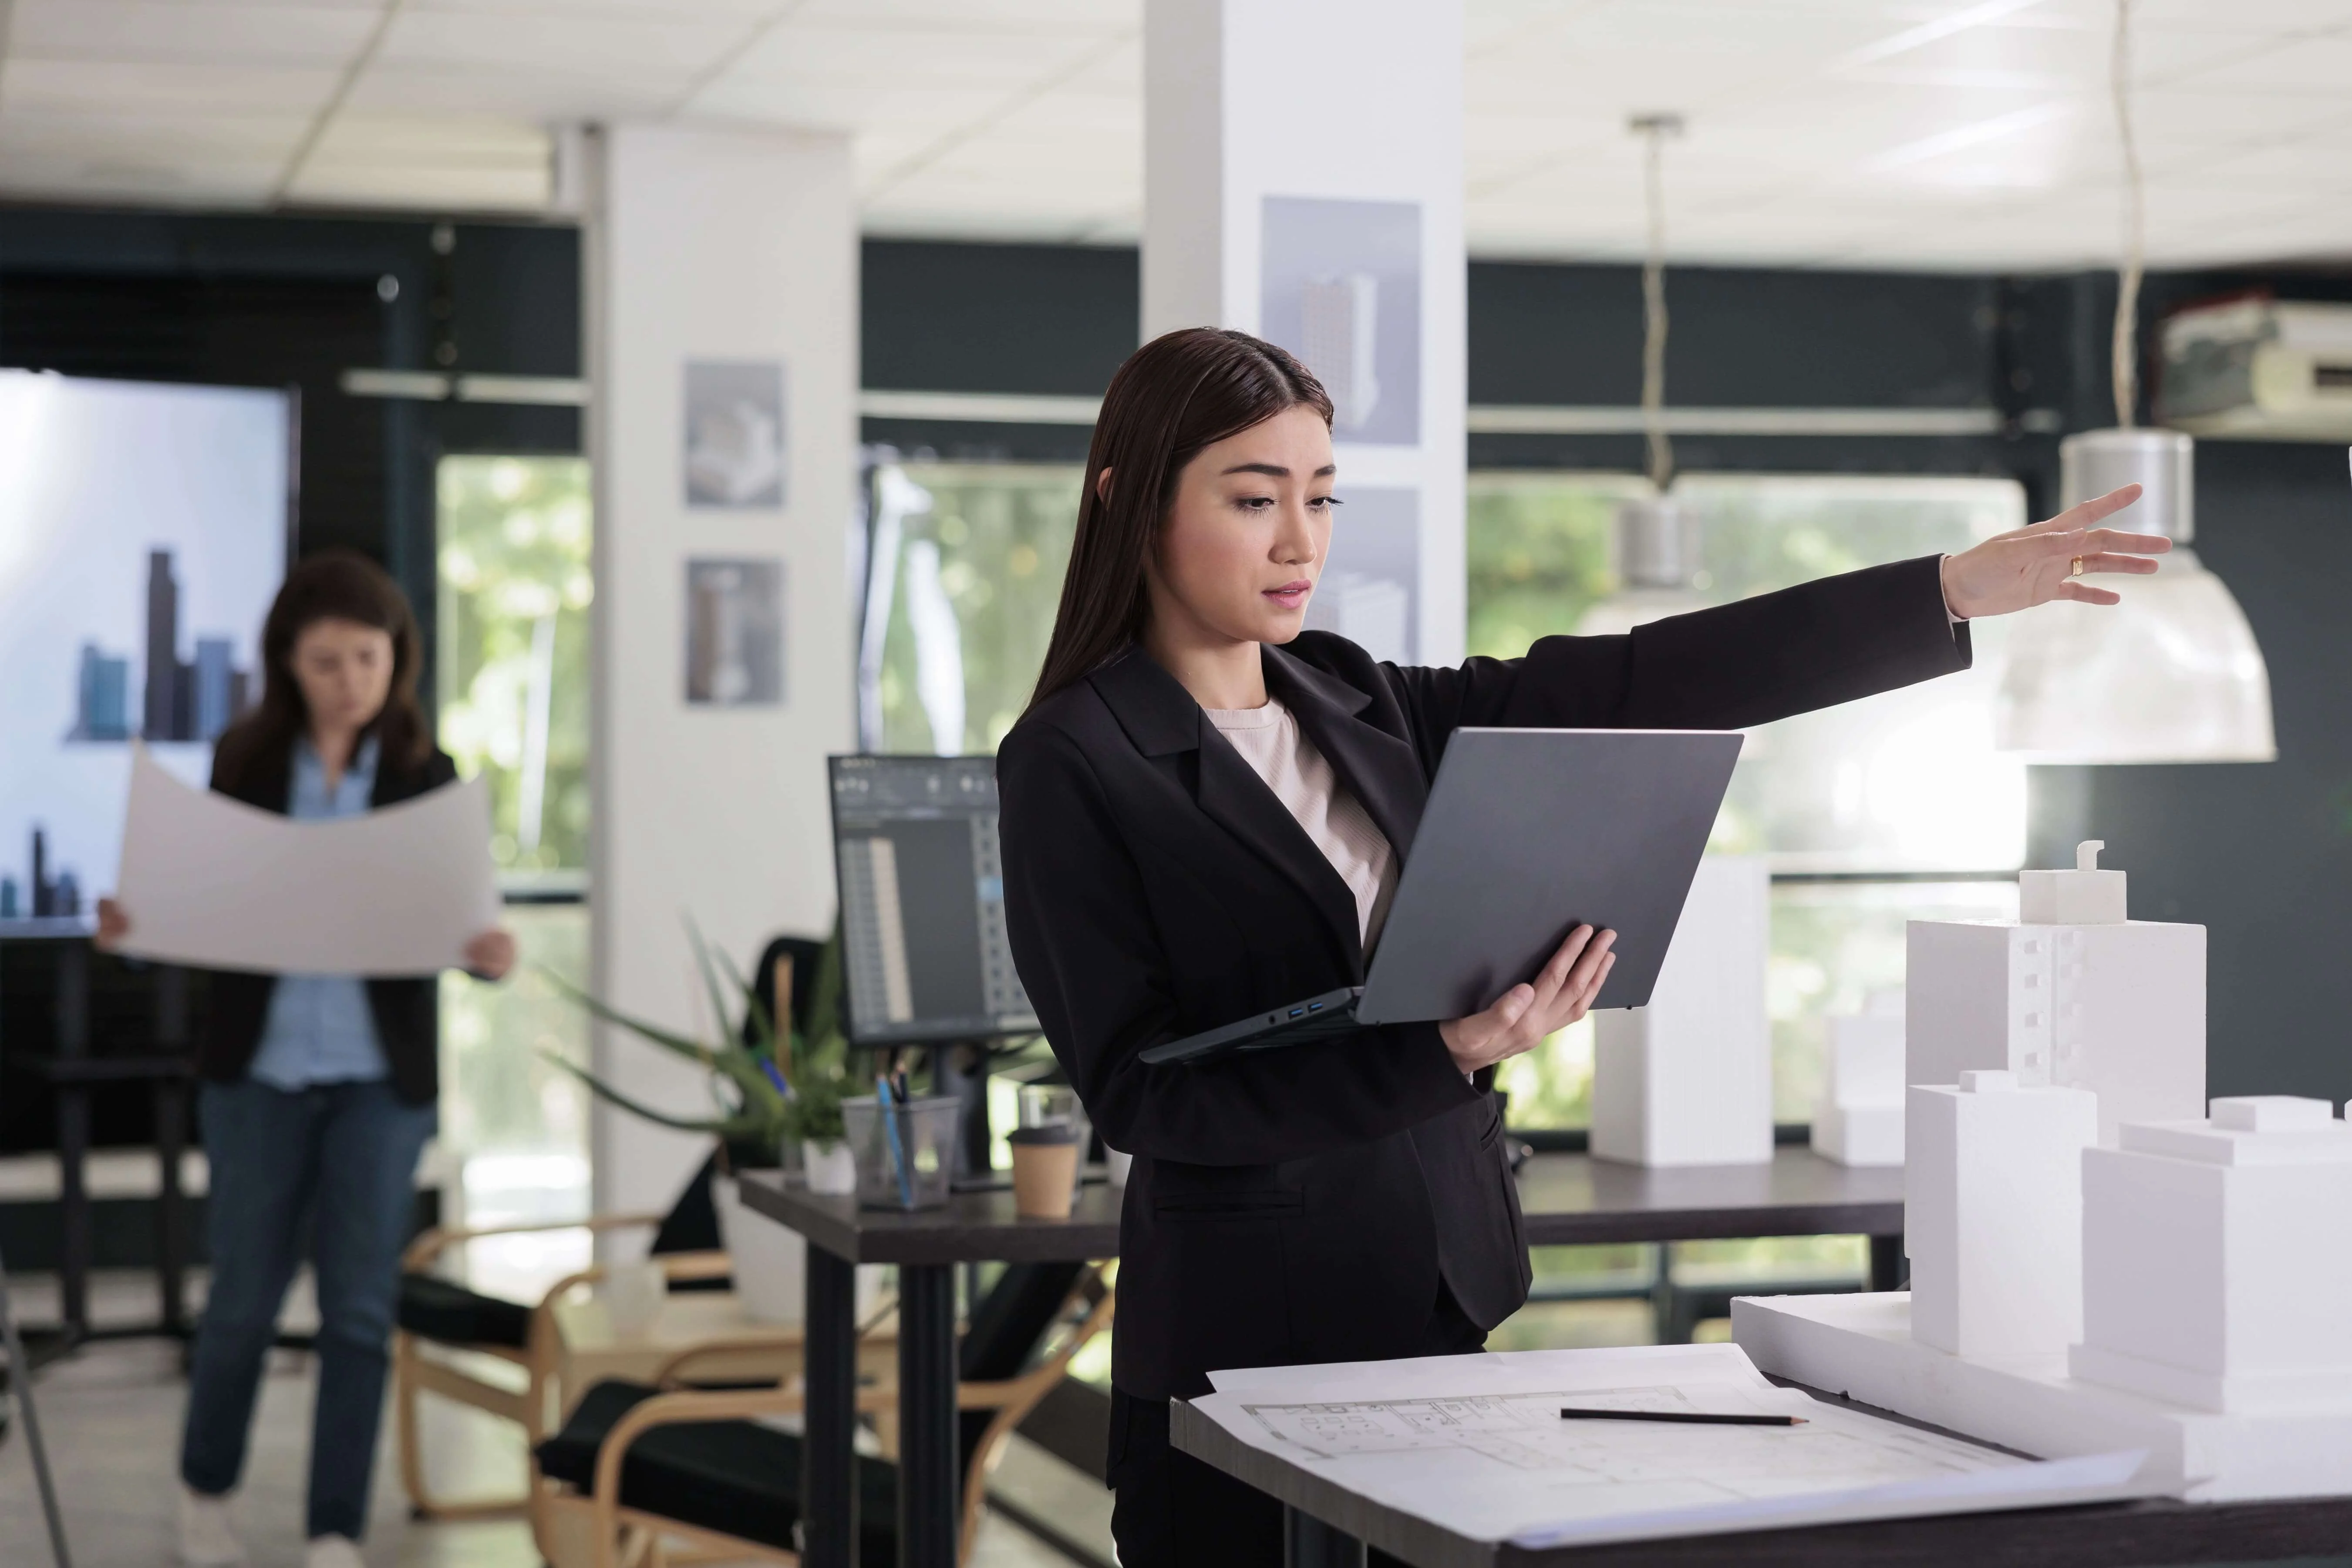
{"x": 320, "y": 1030}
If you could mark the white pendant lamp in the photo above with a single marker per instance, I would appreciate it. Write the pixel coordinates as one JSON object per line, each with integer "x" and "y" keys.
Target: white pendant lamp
{"x": 2172, "y": 674}
{"x": 1657, "y": 536}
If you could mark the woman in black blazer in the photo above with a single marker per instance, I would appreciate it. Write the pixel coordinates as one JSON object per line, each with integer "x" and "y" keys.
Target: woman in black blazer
{"x": 1346, "y": 1199}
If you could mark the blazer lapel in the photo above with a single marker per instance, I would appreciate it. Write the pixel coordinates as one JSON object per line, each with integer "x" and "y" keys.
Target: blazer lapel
{"x": 1160, "y": 717}
{"x": 1380, "y": 769}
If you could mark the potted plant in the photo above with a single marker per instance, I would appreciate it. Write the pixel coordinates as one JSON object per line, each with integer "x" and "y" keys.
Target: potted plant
{"x": 773, "y": 1087}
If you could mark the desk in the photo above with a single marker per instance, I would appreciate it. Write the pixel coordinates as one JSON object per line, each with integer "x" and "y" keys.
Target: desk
{"x": 1569, "y": 1199}
{"x": 1328, "y": 1526}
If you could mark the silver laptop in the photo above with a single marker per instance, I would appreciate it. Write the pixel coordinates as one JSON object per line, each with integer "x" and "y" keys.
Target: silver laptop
{"x": 1527, "y": 834}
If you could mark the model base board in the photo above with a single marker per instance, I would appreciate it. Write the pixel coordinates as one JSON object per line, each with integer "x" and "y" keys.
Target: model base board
{"x": 1861, "y": 1347}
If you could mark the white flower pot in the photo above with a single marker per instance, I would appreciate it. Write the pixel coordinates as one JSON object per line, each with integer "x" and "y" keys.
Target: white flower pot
{"x": 770, "y": 1263}
{"x": 832, "y": 1168}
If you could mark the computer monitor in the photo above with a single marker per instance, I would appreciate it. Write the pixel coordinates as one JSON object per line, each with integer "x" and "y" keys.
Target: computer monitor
{"x": 922, "y": 901}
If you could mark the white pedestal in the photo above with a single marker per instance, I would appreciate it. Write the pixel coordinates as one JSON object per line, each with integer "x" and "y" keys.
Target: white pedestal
{"x": 1687, "y": 1080}
{"x": 2118, "y": 1009}
{"x": 2216, "y": 1260}
{"x": 1859, "y": 1121}
{"x": 1859, "y": 1134}
{"x": 1861, "y": 1347}
{"x": 1992, "y": 1215}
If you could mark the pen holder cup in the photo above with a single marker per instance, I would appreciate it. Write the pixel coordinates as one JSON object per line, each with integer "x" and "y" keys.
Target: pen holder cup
{"x": 904, "y": 1153}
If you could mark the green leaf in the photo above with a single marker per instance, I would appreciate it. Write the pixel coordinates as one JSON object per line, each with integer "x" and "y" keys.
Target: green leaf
{"x": 693, "y": 1050}
{"x": 727, "y": 1128}
{"x": 734, "y": 1060}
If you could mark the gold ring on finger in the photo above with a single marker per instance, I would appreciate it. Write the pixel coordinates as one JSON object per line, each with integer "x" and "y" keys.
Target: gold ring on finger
{"x": 2077, "y": 571}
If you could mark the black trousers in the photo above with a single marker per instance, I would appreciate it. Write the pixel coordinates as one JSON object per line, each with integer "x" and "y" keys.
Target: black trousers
{"x": 1173, "y": 1511}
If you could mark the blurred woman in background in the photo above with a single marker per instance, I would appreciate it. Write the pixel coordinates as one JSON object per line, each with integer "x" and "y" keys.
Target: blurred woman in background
{"x": 319, "y": 1090}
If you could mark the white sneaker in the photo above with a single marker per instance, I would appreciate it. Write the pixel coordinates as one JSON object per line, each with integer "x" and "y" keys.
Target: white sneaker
{"x": 331, "y": 1551}
{"x": 207, "y": 1539}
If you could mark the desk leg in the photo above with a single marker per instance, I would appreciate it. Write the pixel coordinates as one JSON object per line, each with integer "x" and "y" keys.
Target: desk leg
{"x": 73, "y": 1210}
{"x": 1887, "y": 1263}
{"x": 171, "y": 1213}
{"x": 829, "y": 1447}
{"x": 928, "y": 1483}
{"x": 1308, "y": 1542}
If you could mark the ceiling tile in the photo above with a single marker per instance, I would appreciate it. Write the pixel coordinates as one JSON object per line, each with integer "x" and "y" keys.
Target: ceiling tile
{"x": 243, "y": 34}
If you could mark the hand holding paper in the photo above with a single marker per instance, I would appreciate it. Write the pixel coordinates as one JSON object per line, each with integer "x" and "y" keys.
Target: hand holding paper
{"x": 207, "y": 880}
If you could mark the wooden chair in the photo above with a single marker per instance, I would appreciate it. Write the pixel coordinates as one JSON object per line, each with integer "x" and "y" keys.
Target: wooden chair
{"x": 647, "y": 1466}
{"x": 440, "y": 1312}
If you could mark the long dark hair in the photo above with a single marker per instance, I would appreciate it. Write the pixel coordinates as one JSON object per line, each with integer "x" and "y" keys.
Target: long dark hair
{"x": 337, "y": 585}
{"x": 1175, "y": 395}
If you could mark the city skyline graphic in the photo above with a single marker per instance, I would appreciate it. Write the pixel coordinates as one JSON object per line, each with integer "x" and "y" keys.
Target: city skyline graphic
{"x": 142, "y": 536}
{"x": 181, "y": 699}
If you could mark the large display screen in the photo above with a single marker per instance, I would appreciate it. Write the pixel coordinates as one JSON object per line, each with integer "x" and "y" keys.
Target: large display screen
{"x": 143, "y": 530}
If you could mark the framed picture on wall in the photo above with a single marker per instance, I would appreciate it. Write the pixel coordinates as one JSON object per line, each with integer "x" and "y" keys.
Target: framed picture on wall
{"x": 735, "y": 633}
{"x": 1340, "y": 287}
{"x": 735, "y": 448}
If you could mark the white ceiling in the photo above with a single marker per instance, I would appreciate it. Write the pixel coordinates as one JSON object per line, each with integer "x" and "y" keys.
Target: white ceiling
{"x": 1830, "y": 132}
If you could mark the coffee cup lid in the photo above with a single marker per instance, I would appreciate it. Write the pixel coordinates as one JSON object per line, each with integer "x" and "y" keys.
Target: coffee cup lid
{"x": 1053, "y": 1132}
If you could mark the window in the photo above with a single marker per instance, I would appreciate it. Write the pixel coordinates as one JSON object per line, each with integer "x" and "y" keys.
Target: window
{"x": 511, "y": 672}
{"x": 1859, "y": 807}
{"x": 967, "y": 574}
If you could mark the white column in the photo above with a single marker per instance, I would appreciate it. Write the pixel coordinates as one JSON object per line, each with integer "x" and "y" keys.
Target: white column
{"x": 723, "y": 347}
{"x": 1303, "y": 182}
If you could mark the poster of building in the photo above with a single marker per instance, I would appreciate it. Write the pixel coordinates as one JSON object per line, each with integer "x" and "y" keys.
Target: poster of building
{"x": 1340, "y": 287}
{"x": 734, "y": 452}
{"x": 1370, "y": 591}
{"x": 143, "y": 531}
{"x": 735, "y": 633}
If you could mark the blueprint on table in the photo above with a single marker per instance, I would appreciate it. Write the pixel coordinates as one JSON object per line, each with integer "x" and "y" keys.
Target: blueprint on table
{"x": 1476, "y": 1444}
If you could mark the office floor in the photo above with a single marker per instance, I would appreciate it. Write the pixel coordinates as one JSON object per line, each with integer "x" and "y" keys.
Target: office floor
{"x": 112, "y": 1414}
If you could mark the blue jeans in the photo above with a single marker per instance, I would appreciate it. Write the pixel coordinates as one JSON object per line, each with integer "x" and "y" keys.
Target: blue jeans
{"x": 336, "y": 1162}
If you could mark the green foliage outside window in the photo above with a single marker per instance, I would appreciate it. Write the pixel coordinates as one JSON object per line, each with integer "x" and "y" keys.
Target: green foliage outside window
{"x": 998, "y": 538}
{"x": 512, "y": 655}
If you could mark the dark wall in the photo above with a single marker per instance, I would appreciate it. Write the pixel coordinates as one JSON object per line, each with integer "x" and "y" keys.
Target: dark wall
{"x": 280, "y": 302}
{"x": 2259, "y": 854}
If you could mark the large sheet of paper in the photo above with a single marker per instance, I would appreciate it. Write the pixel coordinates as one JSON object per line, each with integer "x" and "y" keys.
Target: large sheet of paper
{"x": 1476, "y": 1445}
{"x": 212, "y": 881}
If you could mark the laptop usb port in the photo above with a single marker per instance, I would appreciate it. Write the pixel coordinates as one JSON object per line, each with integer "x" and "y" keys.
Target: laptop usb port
{"x": 1295, "y": 1012}
{"x": 1315, "y": 1006}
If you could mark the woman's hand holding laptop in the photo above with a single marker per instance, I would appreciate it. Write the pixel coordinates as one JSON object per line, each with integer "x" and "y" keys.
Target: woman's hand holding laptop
{"x": 1560, "y": 995}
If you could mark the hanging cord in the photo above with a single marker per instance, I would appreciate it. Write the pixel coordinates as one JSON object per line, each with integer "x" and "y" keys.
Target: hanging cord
{"x": 2125, "y": 366}
{"x": 1653, "y": 130}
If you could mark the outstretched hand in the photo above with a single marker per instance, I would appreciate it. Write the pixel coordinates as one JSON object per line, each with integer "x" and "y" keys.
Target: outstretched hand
{"x": 1520, "y": 1018}
{"x": 2030, "y": 566}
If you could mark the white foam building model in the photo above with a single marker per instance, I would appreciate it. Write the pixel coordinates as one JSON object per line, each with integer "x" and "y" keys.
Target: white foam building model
{"x": 2072, "y": 993}
{"x": 2216, "y": 1260}
{"x": 1859, "y": 1119}
{"x": 1992, "y": 1215}
{"x": 1687, "y": 1080}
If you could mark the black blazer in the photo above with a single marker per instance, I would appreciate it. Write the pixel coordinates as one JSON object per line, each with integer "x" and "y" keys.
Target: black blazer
{"x": 406, "y": 1011}
{"x": 1302, "y": 1204}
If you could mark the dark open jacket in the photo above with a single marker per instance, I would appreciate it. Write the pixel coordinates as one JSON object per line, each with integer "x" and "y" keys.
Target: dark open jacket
{"x": 406, "y": 1011}
{"x": 1302, "y": 1204}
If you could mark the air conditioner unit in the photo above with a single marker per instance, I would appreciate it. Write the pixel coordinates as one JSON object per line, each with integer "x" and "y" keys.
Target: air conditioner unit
{"x": 2259, "y": 369}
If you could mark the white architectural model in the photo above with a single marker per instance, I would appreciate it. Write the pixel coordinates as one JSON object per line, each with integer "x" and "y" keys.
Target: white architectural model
{"x": 1687, "y": 1080}
{"x": 2072, "y": 994}
{"x": 2216, "y": 1260}
{"x": 1992, "y": 1215}
{"x": 1859, "y": 1121}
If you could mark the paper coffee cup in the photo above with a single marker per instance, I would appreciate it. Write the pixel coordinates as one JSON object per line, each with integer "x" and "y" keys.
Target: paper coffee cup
{"x": 1045, "y": 1171}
